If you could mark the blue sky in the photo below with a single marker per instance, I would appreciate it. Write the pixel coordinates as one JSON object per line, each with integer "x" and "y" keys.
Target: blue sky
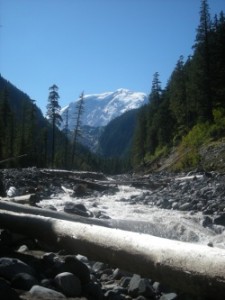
{"x": 94, "y": 46}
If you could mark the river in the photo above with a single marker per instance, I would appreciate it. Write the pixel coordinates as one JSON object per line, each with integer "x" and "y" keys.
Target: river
{"x": 172, "y": 224}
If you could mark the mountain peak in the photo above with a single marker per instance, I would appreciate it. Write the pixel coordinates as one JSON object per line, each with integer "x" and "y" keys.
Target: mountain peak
{"x": 100, "y": 109}
{"x": 121, "y": 90}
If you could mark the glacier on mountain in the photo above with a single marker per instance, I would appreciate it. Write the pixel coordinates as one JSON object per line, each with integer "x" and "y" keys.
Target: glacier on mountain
{"x": 100, "y": 109}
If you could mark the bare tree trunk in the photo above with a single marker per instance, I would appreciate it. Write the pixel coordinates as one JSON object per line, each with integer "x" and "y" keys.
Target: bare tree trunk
{"x": 191, "y": 268}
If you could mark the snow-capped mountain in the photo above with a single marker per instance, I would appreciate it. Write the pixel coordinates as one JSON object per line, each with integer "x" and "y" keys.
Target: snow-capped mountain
{"x": 100, "y": 109}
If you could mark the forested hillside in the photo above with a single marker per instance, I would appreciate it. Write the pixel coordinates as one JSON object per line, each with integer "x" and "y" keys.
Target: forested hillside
{"x": 190, "y": 110}
{"x": 26, "y": 135}
{"x": 116, "y": 139}
{"x": 23, "y": 129}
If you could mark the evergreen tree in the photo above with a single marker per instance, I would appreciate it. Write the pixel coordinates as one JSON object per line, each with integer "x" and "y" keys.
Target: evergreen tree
{"x": 66, "y": 132}
{"x": 155, "y": 98}
{"x": 203, "y": 63}
{"x": 139, "y": 142}
{"x": 218, "y": 58}
{"x": 53, "y": 109}
{"x": 76, "y": 132}
{"x": 156, "y": 91}
{"x": 6, "y": 127}
{"x": 32, "y": 133}
{"x": 178, "y": 96}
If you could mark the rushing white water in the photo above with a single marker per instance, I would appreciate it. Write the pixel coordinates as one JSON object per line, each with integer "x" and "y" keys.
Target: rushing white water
{"x": 172, "y": 224}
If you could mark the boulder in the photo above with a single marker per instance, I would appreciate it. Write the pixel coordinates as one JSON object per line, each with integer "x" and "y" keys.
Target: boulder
{"x": 44, "y": 293}
{"x": 69, "y": 284}
{"x": 93, "y": 289}
{"x": 78, "y": 209}
{"x": 140, "y": 286}
{"x": 6, "y": 292}
{"x": 79, "y": 269}
{"x": 220, "y": 220}
{"x": 9, "y": 267}
{"x": 23, "y": 281}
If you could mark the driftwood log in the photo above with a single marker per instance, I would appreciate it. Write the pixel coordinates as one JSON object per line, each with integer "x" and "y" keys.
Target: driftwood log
{"x": 195, "y": 269}
{"x": 23, "y": 199}
{"x": 19, "y": 208}
{"x": 99, "y": 182}
{"x": 128, "y": 225}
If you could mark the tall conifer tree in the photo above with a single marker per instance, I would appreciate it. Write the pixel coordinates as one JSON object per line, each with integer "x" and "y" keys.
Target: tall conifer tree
{"x": 53, "y": 109}
{"x": 76, "y": 132}
{"x": 203, "y": 63}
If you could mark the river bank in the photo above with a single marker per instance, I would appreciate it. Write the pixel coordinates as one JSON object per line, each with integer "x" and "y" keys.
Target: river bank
{"x": 188, "y": 207}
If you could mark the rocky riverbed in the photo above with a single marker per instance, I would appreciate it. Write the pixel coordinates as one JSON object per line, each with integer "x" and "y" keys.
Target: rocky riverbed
{"x": 191, "y": 207}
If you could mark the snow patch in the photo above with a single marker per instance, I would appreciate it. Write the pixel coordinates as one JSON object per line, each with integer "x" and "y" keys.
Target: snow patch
{"x": 100, "y": 109}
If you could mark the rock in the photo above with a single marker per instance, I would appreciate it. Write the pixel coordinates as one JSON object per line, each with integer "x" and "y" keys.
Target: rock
{"x": 170, "y": 296}
{"x": 9, "y": 267}
{"x": 207, "y": 221}
{"x": 140, "y": 286}
{"x": 80, "y": 190}
{"x": 49, "y": 257}
{"x": 51, "y": 207}
{"x": 69, "y": 284}
{"x": 23, "y": 249}
{"x": 220, "y": 220}
{"x": 165, "y": 203}
{"x": 112, "y": 295}
{"x": 6, "y": 292}
{"x": 175, "y": 205}
{"x": 94, "y": 290}
{"x": 125, "y": 281}
{"x": 141, "y": 298}
{"x": 23, "y": 281}
{"x": 44, "y": 293}
{"x": 118, "y": 274}
{"x": 99, "y": 266}
{"x": 48, "y": 283}
{"x": 12, "y": 192}
{"x": 78, "y": 268}
{"x": 160, "y": 288}
{"x": 185, "y": 206}
{"x": 82, "y": 258}
{"x": 78, "y": 209}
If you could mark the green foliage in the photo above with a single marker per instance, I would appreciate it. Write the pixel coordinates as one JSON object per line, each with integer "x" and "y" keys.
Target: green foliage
{"x": 189, "y": 147}
{"x": 217, "y": 129}
{"x": 197, "y": 136}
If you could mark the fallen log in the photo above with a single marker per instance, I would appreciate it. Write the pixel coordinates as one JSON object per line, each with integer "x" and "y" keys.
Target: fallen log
{"x": 81, "y": 178}
{"x": 191, "y": 268}
{"x": 91, "y": 184}
{"x": 23, "y": 199}
{"x": 78, "y": 174}
{"x": 18, "y": 208}
{"x": 128, "y": 225}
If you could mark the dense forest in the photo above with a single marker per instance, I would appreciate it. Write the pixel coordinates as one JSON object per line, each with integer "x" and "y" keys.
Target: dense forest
{"x": 27, "y": 138}
{"x": 190, "y": 110}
